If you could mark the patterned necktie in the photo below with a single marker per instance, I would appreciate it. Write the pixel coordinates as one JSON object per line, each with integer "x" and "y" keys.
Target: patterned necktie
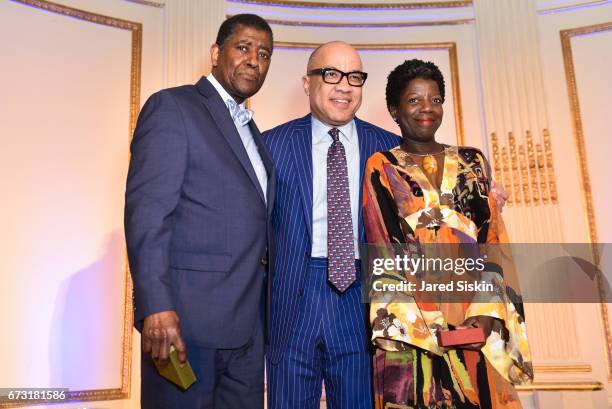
{"x": 340, "y": 246}
{"x": 240, "y": 115}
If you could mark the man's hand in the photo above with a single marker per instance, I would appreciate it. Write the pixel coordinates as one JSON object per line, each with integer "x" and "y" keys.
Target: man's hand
{"x": 159, "y": 331}
{"x": 500, "y": 195}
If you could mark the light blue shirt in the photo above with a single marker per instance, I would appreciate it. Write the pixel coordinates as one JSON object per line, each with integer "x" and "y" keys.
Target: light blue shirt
{"x": 247, "y": 138}
{"x": 321, "y": 141}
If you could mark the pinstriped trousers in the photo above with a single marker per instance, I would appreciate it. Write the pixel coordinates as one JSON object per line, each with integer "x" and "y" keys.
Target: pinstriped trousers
{"x": 328, "y": 344}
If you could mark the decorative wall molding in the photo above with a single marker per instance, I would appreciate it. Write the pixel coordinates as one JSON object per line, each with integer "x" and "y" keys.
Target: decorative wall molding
{"x": 363, "y": 6}
{"x": 451, "y": 47}
{"x": 516, "y": 188}
{"x": 587, "y": 194}
{"x": 310, "y": 23}
{"x": 562, "y": 368}
{"x": 134, "y": 27}
{"x": 550, "y": 169}
{"x": 572, "y": 7}
{"x": 123, "y": 392}
{"x": 82, "y": 15}
{"x": 148, "y": 3}
{"x": 532, "y": 180}
{"x": 572, "y": 89}
{"x": 561, "y": 386}
{"x": 535, "y": 186}
{"x": 356, "y": 15}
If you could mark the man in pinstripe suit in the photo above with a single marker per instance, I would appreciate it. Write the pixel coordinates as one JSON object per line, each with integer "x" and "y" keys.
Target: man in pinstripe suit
{"x": 318, "y": 327}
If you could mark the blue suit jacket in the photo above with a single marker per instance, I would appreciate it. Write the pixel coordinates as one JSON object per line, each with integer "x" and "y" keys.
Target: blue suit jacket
{"x": 196, "y": 222}
{"x": 291, "y": 147}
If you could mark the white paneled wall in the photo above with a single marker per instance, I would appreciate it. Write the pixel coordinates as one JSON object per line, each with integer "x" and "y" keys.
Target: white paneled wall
{"x": 69, "y": 89}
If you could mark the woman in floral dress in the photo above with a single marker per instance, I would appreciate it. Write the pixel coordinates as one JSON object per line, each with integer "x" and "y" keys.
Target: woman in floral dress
{"x": 421, "y": 193}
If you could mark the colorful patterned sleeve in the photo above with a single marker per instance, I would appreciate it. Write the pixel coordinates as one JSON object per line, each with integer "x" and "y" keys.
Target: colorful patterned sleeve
{"x": 395, "y": 317}
{"x": 507, "y": 349}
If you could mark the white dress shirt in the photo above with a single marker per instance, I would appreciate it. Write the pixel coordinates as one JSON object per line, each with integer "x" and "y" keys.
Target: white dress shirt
{"x": 321, "y": 141}
{"x": 247, "y": 139}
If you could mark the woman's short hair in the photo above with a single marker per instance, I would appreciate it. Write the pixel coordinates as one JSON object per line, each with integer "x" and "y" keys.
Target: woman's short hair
{"x": 401, "y": 75}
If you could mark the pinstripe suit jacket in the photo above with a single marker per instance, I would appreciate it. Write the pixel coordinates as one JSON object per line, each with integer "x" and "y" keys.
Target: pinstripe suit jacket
{"x": 291, "y": 147}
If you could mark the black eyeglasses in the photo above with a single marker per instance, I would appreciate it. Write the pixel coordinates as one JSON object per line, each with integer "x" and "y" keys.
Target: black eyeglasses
{"x": 334, "y": 76}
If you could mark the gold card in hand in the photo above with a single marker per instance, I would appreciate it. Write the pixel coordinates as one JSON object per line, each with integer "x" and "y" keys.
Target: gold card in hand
{"x": 183, "y": 377}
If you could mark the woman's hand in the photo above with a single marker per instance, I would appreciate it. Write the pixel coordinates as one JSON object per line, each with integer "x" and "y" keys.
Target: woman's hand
{"x": 480, "y": 321}
{"x": 500, "y": 195}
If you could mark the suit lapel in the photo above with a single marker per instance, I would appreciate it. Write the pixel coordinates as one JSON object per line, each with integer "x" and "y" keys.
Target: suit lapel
{"x": 367, "y": 146}
{"x": 302, "y": 159}
{"x": 217, "y": 108}
{"x": 268, "y": 164}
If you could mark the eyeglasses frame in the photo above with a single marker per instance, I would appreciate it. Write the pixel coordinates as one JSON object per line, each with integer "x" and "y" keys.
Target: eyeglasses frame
{"x": 323, "y": 71}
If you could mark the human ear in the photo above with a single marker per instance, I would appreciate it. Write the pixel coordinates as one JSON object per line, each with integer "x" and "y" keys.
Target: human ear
{"x": 214, "y": 54}
{"x": 306, "y": 84}
{"x": 393, "y": 112}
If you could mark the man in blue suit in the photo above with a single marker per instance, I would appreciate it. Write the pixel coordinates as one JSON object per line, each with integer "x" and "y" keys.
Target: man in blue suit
{"x": 318, "y": 322}
{"x": 199, "y": 197}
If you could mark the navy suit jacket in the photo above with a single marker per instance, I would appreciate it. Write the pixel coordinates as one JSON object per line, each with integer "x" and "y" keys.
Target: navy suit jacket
{"x": 196, "y": 223}
{"x": 291, "y": 147}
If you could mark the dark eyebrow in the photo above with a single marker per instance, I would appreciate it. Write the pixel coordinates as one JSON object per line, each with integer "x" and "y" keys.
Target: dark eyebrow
{"x": 419, "y": 94}
{"x": 247, "y": 41}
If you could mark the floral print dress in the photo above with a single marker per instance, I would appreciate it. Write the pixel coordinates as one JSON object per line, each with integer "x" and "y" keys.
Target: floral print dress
{"x": 402, "y": 205}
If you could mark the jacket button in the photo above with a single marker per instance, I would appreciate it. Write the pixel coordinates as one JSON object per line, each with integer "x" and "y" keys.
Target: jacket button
{"x": 264, "y": 260}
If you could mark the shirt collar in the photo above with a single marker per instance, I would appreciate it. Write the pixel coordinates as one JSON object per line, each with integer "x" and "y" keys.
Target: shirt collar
{"x": 320, "y": 130}
{"x": 225, "y": 96}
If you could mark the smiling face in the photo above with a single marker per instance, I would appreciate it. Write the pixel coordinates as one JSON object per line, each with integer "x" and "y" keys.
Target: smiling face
{"x": 333, "y": 104}
{"x": 241, "y": 63}
{"x": 420, "y": 112}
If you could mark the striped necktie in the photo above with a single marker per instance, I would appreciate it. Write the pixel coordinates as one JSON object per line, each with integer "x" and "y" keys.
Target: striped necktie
{"x": 340, "y": 246}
